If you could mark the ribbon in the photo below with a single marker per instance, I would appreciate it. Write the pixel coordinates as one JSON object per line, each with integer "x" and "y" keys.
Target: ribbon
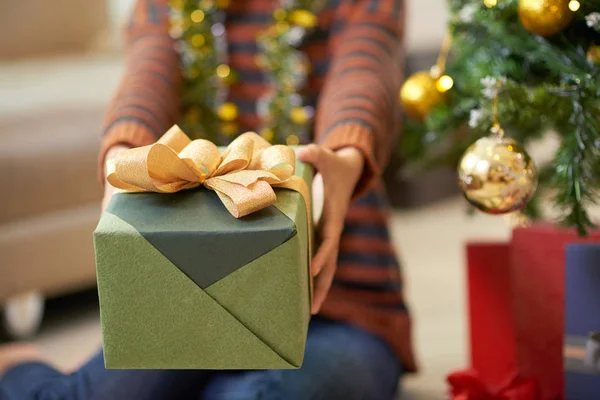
{"x": 243, "y": 176}
{"x": 468, "y": 385}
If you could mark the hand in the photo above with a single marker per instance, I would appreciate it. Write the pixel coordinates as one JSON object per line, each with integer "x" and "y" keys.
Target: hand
{"x": 339, "y": 172}
{"x": 15, "y": 354}
{"x": 109, "y": 190}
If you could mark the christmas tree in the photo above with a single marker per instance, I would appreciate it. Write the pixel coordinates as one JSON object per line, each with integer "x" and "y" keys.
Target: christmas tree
{"x": 531, "y": 67}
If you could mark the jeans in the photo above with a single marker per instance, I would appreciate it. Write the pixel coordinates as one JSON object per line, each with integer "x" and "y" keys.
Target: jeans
{"x": 341, "y": 362}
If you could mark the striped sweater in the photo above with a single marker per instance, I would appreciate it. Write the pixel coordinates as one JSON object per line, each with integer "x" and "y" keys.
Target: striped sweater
{"x": 356, "y": 53}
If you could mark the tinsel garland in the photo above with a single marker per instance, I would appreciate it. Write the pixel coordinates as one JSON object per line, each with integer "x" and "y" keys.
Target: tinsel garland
{"x": 201, "y": 38}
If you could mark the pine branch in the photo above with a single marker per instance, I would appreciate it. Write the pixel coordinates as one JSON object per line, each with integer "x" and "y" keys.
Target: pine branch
{"x": 550, "y": 85}
{"x": 576, "y": 165}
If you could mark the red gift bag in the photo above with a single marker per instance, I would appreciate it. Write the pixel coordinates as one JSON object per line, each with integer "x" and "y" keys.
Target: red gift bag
{"x": 492, "y": 322}
{"x": 516, "y": 306}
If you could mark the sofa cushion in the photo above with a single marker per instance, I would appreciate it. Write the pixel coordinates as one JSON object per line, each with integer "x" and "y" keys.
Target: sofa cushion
{"x": 34, "y": 28}
{"x": 48, "y": 161}
{"x": 52, "y": 253}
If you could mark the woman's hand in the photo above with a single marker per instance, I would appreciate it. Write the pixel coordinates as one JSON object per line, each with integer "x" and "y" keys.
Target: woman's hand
{"x": 339, "y": 172}
{"x": 109, "y": 190}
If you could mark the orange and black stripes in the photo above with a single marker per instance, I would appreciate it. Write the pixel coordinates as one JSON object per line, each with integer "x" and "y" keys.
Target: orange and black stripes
{"x": 356, "y": 57}
{"x": 364, "y": 77}
{"x": 148, "y": 95}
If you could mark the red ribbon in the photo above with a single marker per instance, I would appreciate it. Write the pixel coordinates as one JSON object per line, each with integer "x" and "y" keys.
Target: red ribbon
{"x": 468, "y": 385}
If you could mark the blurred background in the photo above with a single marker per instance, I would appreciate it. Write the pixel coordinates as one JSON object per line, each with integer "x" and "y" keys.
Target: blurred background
{"x": 59, "y": 64}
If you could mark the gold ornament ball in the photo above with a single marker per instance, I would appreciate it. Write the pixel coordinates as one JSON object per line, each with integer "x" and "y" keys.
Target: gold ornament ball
{"x": 419, "y": 95}
{"x": 497, "y": 176}
{"x": 545, "y": 17}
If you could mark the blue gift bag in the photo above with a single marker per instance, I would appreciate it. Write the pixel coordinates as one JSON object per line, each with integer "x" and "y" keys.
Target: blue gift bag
{"x": 582, "y": 324}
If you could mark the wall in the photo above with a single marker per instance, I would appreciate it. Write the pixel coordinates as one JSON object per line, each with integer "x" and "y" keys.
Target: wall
{"x": 426, "y": 25}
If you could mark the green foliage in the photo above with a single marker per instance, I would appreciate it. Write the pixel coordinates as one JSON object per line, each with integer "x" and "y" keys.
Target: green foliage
{"x": 550, "y": 85}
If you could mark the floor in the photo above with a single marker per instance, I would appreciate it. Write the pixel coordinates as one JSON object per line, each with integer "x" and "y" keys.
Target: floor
{"x": 431, "y": 242}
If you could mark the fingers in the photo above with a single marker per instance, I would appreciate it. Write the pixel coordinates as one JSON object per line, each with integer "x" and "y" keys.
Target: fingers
{"x": 315, "y": 155}
{"x": 327, "y": 248}
{"x": 336, "y": 196}
{"x": 324, "y": 263}
{"x": 323, "y": 283}
{"x": 108, "y": 193}
{"x": 331, "y": 231}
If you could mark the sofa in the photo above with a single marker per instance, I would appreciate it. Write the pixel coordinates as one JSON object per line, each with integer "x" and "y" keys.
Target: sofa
{"x": 55, "y": 83}
{"x": 50, "y": 204}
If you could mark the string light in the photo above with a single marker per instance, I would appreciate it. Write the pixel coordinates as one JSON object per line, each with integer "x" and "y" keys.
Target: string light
{"x": 299, "y": 115}
{"x": 303, "y": 18}
{"x": 282, "y": 27}
{"x": 444, "y": 84}
{"x": 267, "y": 134}
{"x": 279, "y": 14}
{"x": 292, "y": 140}
{"x": 223, "y": 71}
{"x": 229, "y": 128}
{"x": 202, "y": 43}
{"x": 574, "y": 5}
{"x": 193, "y": 116}
{"x": 198, "y": 40}
{"x": 197, "y": 16}
{"x": 228, "y": 112}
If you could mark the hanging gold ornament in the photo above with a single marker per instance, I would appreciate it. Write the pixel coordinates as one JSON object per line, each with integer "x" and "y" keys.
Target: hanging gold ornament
{"x": 495, "y": 174}
{"x": 419, "y": 95}
{"x": 546, "y": 17}
{"x": 424, "y": 90}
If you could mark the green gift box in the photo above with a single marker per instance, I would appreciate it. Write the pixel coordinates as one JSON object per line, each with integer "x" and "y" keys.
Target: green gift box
{"x": 185, "y": 285}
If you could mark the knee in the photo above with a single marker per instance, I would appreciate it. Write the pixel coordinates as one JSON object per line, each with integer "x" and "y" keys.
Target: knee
{"x": 354, "y": 372}
{"x": 351, "y": 376}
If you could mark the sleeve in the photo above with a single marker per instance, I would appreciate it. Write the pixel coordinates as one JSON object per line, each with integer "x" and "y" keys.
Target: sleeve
{"x": 358, "y": 106}
{"x": 147, "y": 101}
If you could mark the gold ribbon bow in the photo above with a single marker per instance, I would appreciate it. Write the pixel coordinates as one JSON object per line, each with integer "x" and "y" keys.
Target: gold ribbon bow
{"x": 243, "y": 176}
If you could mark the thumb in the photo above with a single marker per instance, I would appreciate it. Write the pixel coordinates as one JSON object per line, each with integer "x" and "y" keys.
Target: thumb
{"x": 311, "y": 154}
